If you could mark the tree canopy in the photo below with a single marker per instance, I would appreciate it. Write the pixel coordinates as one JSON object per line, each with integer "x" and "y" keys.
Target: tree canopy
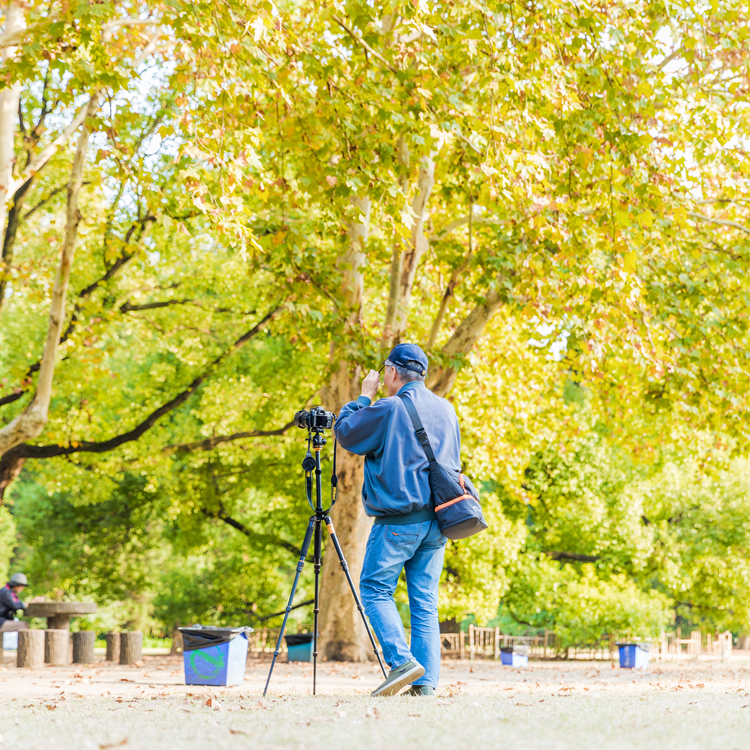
{"x": 217, "y": 214}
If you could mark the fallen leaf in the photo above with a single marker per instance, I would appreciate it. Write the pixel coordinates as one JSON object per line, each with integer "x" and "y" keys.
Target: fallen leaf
{"x": 372, "y": 712}
{"x": 238, "y": 731}
{"x": 122, "y": 742}
{"x": 51, "y": 707}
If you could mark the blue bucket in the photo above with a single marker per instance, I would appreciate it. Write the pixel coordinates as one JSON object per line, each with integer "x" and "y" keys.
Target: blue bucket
{"x": 633, "y": 655}
{"x": 221, "y": 661}
{"x": 299, "y": 647}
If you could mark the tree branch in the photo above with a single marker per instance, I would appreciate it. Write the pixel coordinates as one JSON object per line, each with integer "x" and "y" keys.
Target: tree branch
{"x": 83, "y": 294}
{"x": 50, "y": 451}
{"x": 573, "y": 556}
{"x": 721, "y": 222}
{"x": 222, "y": 515}
{"x": 397, "y": 258}
{"x": 363, "y": 43}
{"x": 46, "y": 200}
{"x": 441, "y": 380}
{"x": 418, "y": 244}
{"x": 211, "y": 443}
{"x": 31, "y": 421}
{"x": 85, "y": 111}
{"x": 128, "y": 307}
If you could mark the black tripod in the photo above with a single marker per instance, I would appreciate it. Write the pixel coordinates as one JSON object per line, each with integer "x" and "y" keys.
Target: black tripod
{"x": 315, "y": 531}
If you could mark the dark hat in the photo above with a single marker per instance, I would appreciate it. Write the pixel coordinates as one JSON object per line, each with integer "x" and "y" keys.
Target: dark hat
{"x": 410, "y": 357}
{"x": 18, "y": 579}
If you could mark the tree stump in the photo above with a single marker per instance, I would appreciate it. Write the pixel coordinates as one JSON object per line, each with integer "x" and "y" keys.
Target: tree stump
{"x": 30, "y": 652}
{"x": 83, "y": 647}
{"x": 131, "y": 647}
{"x": 113, "y": 646}
{"x": 57, "y": 647}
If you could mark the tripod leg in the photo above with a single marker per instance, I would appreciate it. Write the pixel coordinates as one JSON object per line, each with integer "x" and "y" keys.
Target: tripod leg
{"x": 345, "y": 568}
{"x": 300, "y": 564}
{"x": 318, "y": 546}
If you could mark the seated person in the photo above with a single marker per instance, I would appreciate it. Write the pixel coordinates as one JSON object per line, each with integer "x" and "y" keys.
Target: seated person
{"x": 10, "y": 603}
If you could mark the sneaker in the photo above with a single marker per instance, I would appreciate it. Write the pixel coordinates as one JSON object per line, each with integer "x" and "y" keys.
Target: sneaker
{"x": 399, "y": 677}
{"x": 425, "y": 690}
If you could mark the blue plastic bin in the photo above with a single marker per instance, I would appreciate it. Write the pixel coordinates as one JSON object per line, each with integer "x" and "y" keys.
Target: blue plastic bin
{"x": 514, "y": 656}
{"x": 299, "y": 646}
{"x": 215, "y": 656}
{"x": 633, "y": 655}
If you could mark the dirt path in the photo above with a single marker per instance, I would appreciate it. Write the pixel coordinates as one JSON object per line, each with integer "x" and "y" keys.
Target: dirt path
{"x": 549, "y": 705}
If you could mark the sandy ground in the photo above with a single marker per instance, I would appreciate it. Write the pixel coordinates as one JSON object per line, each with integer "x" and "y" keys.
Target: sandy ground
{"x": 546, "y": 706}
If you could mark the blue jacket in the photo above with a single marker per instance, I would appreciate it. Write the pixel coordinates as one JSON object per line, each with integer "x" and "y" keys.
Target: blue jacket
{"x": 396, "y": 479}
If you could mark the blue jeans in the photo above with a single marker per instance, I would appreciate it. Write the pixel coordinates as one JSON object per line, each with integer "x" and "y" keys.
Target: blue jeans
{"x": 419, "y": 548}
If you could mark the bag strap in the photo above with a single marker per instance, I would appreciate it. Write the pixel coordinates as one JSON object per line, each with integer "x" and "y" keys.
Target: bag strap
{"x": 419, "y": 429}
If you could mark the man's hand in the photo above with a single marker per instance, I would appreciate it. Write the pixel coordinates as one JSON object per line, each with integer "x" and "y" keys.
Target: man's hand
{"x": 370, "y": 384}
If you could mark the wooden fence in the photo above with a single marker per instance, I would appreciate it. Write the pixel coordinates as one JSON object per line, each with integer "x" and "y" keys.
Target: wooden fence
{"x": 486, "y": 643}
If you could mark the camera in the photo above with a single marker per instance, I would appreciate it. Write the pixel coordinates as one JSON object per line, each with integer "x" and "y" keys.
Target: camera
{"x": 315, "y": 419}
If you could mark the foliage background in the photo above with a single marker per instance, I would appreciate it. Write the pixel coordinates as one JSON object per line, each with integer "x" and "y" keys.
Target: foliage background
{"x": 566, "y": 184}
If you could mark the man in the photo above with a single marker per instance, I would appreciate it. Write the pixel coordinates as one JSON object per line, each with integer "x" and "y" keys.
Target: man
{"x": 396, "y": 494}
{"x": 10, "y": 603}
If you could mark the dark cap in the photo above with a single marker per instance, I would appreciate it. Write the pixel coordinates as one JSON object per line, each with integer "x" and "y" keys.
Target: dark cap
{"x": 409, "y": 356}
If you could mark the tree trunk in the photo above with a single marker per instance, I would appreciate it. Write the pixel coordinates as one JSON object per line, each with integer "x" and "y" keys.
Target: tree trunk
{"x": 10, "y": 467}
{"x": 9, "y": 97}
{"x": 83, "y": 647}
{"x": 342, "y": 633}
{"x": 30, "y": 654}
{"x": 131, "y": 647}
{"x": 31, "y": 421}
{"x": 113, "y": 646}
{"x": 178, "y": 642}
{"x": 57, "y": 647}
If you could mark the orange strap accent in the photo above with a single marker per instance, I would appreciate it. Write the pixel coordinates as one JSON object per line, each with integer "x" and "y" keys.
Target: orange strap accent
{"x": 452, "y": 502}
{"x": 461, "y": 482}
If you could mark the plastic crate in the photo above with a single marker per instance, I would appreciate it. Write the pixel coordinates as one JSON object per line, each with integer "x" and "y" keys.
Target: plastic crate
{"x": 514, "y": 656}
{"x": 299, "y": 646}
{"x": 633, "y": 655}
{"x": 215, "y": 656}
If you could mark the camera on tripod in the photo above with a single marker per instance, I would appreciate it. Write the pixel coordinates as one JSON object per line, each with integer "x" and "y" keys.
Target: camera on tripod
{"x": 315, "y": 419}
